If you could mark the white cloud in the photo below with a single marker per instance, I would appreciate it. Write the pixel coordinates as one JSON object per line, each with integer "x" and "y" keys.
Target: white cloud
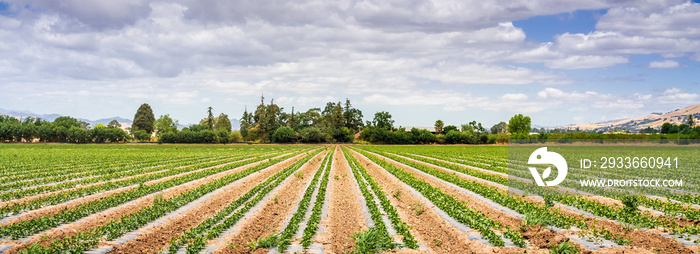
{"x": 585, "y": 62}
{"x": 452, "y": 55}
{"x": 677, "y": 20}
{"x": 678, "y": 96}
{"x": 514, "y": 96}
{"x": 559, "y": 94}
{"x": 482, "y": 74}
{"x": 664, "y": 64}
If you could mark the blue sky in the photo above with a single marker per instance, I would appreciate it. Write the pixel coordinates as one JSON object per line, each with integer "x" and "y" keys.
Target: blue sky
{"x": 559, "y": 62}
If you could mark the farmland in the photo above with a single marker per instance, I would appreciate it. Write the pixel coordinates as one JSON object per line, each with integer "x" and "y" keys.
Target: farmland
{"x": 322, "y": 199}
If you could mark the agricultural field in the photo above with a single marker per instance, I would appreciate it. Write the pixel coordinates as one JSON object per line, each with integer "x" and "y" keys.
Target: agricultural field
{"x": 320, "y": 199}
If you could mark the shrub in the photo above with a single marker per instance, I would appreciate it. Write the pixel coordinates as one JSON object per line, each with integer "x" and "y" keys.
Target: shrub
{"x": 283, "y": 134}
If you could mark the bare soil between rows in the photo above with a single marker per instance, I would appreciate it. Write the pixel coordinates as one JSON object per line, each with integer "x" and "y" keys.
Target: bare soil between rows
{"x": 268, "y": 218}
{"x": 53, "y": 209}
{"x": 155, "y": 239}
{"x": 114, "y": 213}
{"x": 640, "y": 239}
{"x": 428, "y": 228}
{"x": 345, "y": 215}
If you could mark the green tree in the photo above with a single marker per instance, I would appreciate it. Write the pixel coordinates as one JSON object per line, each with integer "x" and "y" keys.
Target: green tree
{"x": 353, "y": 117}
{"x": 99, "y": 133}
{"x": 114, "y": 124}
{"x": 499, "y": 128}
{"x": 84, "y": 125}
{"x": 438, "y": 126}
{"x": 311, "y": 135}
{"x": 519, "y": 124}
{"x": 165, "y": 124}
{"x": 246, "y": 122}
{"x": 210, "y": 118}
{"x": 66, "y": 122}
{"x": 222, "y": 123}
{"x": 449, "y": 128}
{"x": 28, "y": 132}
{"x": 284, "y": 134}
{"x": 690, "y": 121}
{"x": 144, "y": 119}
{"x": 142, "y": 135}
{"x": 453, "y": 137}
{"x": 78, "y": 135}
{"x": 333, "y": 123}
{"x": 666, "y": 127}
{"x": 383, "y": 120}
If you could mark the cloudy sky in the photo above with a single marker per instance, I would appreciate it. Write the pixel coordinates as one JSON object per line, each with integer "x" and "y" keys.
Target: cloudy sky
{"x": 559, "y": 62}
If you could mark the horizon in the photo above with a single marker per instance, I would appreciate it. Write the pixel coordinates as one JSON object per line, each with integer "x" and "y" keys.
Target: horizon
{"x": 534, "y": 125}
{"x": 559, "y": 63}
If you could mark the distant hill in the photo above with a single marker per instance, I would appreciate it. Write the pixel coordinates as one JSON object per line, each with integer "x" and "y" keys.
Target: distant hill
{"x": 654, "y": 120}
{"x": 51, "y": 117}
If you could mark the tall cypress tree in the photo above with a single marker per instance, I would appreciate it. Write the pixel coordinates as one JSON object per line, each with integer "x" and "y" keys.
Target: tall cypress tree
{"x": 144, "y": 119}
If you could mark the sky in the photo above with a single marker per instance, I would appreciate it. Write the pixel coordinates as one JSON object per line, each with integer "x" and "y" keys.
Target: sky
{"x": 559, "y": 62}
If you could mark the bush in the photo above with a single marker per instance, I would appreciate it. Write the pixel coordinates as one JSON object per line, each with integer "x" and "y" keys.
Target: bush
{"x": 453, "y": 137}
{"x": 224, "y": 136}
{"x": 235, "y": 137}
{"x": 311, "y": 135}
{"x": 283, "y": 134}
{"x": 142, "y": 135}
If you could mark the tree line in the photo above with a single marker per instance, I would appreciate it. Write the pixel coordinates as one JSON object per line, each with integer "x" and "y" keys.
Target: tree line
{"x": 336, "y": 123}
{"x": 63, "y": 129}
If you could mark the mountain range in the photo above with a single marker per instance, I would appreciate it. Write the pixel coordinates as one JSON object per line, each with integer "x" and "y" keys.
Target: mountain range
{"x": 654, "y": 120}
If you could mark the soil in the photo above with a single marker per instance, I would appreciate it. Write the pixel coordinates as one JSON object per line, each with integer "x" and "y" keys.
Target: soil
{"x": 268, "y": 219}
{"x": 155, "y": 239}
{"x": 113, "y": 213}
{"x": 647, "y": 240}
{"x": 345, "y": 215}
{"x": 52, "y": 209}
{"x": 428, "y": 228}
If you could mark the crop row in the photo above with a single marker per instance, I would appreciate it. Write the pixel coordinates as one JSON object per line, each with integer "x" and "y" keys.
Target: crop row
{"x": 640, "y": 219}
{"x": 86, "y": 240}
{"x": 534, "y": 213}
{"x": 51, "y": 160}
{"x": 10, "y": 195}
{"x": 113, "y": 171}
{"x": 35, "y": 225}
{"x": 315, "y": 218}
{"x": 211, "y": 228}
{"x": 63, "y": 196}
{"x": 401, "y": 227}
{"x": 284, "y": 238}
{"x": 455, "y": 209}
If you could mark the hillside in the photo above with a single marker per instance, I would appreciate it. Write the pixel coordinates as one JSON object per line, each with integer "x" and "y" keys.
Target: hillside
{"x": 654, "y": 120}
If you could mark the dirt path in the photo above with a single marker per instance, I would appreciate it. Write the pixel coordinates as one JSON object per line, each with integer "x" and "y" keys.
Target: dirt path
{"x": 272, "y": 213}
{"x": 155, "y": 239}
{"x": 345, "y": 215}
{"x": 113, "y": 213}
